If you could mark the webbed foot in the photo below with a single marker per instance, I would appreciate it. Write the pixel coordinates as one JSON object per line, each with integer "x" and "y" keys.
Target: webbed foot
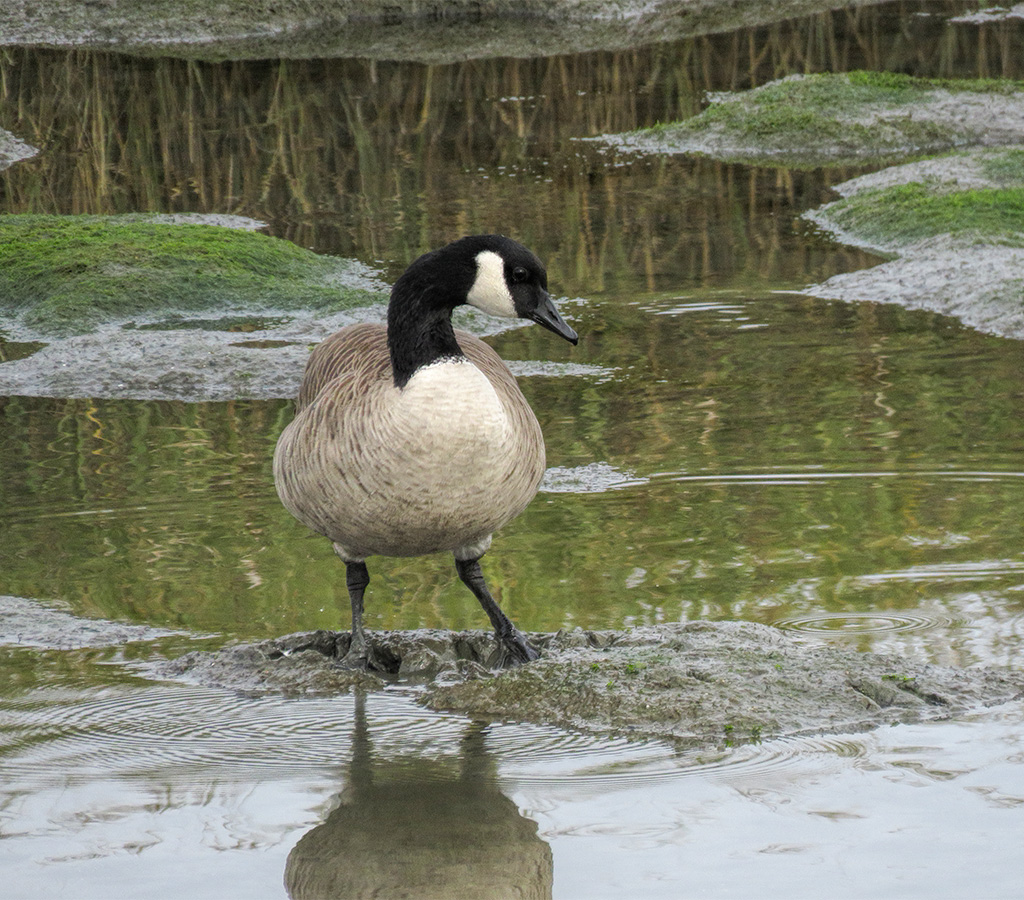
{"x": 516, "y": 650}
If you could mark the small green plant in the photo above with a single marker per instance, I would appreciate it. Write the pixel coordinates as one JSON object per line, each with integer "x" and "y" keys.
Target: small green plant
{"x": 900, "y": 679}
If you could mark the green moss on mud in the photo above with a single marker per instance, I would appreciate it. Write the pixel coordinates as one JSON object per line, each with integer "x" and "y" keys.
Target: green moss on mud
{"x": 63, "y": 275}
{"x": 907, "y": 213}
{"x": 830, "y": 117}
{"x": 1005, "y": 167}
{"x": 895, "y": 87}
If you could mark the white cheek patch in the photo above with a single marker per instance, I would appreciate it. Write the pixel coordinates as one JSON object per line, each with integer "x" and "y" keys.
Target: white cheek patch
{"x": 490, "y": 293}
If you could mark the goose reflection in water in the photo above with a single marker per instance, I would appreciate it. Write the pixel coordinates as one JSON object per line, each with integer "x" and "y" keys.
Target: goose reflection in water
{"x": 421, "y": 828}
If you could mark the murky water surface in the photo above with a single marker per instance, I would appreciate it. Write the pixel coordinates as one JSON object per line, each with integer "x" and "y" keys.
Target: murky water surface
{"x": 730, "y": 450}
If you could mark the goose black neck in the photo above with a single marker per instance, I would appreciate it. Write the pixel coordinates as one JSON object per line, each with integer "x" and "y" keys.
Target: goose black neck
{"x": 419, "y": 331}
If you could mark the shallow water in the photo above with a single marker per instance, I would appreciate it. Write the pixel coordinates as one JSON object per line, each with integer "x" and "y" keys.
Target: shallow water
{"x": 732, "y": 450}
{"x": 152, "y": 791}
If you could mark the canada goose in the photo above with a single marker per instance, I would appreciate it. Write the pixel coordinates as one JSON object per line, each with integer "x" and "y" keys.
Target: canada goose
{"x": 414, "y": 438}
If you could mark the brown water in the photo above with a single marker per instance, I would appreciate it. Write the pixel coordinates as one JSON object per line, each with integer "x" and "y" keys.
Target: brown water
{"x": 735, "y": 451}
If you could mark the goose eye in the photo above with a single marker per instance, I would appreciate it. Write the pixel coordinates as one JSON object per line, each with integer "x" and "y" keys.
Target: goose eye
{"x": 519, "y": 275}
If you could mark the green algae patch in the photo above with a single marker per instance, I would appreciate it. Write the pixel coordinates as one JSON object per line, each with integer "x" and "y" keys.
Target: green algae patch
{"x": 839, "y": 119}
{"x": 900, "y": 215}
{"x": 1004, "y": 168}
{"x": 953, "y": 226}
{"x": 65, "y": 275}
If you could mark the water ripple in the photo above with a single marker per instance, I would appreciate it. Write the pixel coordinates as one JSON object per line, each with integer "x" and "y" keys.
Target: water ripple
{"x": 187, "y": 726}
{"x": 866, "y": 623}
{"x": 975, "y": 570}
{"x": 814, "y": 475}
{"x": 583, "y": 762}
{"x": 174, "y": 731}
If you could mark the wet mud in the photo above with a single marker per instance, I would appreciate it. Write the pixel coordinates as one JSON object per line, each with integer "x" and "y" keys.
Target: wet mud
{"x": 436, "y": 32}
{"x": 696, "y": 685}
{"x": 971, "y": 274}
{"x": 700, "y": 684}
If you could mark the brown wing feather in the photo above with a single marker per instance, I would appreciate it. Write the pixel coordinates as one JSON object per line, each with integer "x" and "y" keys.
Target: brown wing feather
{"x": 359, "y": 350}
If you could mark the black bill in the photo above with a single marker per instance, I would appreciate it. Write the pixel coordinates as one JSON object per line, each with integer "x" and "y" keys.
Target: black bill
{"x": 549, "y": 317}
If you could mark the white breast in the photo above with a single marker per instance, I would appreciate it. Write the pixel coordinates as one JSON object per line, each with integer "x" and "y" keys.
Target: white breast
{"x": 450, "y": 408}
{"x": 441, "y": 468}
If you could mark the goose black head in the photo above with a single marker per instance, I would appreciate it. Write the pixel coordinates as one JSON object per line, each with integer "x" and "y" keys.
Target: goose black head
{"x": 495, "y": 274}
{"x": 510, "y": 281}
{"x": 491, "y": 272}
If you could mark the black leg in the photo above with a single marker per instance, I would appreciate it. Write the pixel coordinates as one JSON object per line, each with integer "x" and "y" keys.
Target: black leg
{"x": 357, "y": 578}
{"x": 515, "y": 645}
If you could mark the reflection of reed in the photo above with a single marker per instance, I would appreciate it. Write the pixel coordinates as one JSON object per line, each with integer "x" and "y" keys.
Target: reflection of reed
{"x": 383, "y": 160}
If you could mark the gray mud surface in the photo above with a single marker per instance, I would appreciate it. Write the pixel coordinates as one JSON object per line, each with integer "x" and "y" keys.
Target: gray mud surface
{"x": 975, "y": 279}
{"x": 191, "y": 364}
{"x": 429, "y": 31}
{"x": 29, "y": 623}
{"x": 701, "y": 684}
{"x": 13, "y": 149}
{"x": 981, "y": 286}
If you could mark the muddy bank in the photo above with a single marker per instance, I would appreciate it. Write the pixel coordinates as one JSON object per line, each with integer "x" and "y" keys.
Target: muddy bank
{"x": 701, "y": 684}
{"x": 430, "y": 31}
{"x": 842, "y": 119}
{"x": 187, "y": 307}
{"x": 180, "y": 307}
{"x": 954, "y": 226}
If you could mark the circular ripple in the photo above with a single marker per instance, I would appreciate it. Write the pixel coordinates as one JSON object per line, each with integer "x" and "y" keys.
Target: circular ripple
{"x": 171, "y": 728}
{"x": 586, "y": 763}
{"x": 175, "y": 733}
{"x": 864, "y": 623}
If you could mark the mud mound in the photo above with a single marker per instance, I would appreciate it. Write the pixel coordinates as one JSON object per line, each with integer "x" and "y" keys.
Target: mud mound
{"x": 699, "y": 684}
